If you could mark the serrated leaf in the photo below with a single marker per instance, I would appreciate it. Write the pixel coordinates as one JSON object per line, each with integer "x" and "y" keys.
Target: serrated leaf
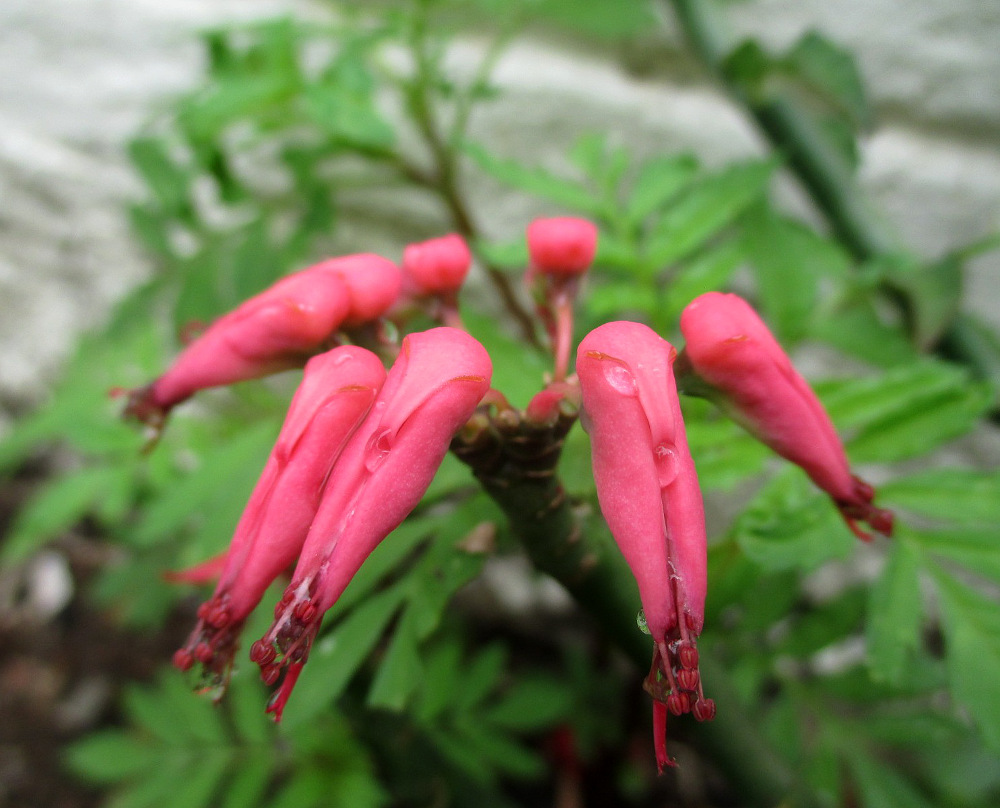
{"x": 907, "y": 411}
{"x": 565, "y": 192}
{"x": 707, "y": 271}
{"x": 894, "y": 614}
{"x": 958, "y": 496}
{"x": 660, "y": 180}
{"x": 60, "y": 505}
{"x": 881, "y": 786}
{"x": 168, "y": 182}
{"x": 248, "y": 784}
{"x": 857, "y": 329}
{"x": 789, "y": 260}
{"x": 110, "y": 756}
{"x": 972, "y": 646}
{"x": 790, "y": 526}
{"x": 499, "y": 750}
{"x": 349, "y": 116}
{"x": 400, "y": 670}
{"x": 832, "y": 72}
{"x": 531, "y": 704}
{"x": 480, "y": 677}
{"x": 197, "y": 495}
{"x": 704, "y": 210}
{"x": 975, "y": 548}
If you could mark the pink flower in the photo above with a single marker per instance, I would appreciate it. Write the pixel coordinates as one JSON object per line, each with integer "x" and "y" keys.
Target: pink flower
{"x": 649, "y": 494}
{"x": 338, "y": 388}
{"x": 562, "y": 246}
{"x": 431, "y": 391}
{"x": 437, "y": 266}
{"x": 276, "y": 330}
{"x": 749, "y": 375}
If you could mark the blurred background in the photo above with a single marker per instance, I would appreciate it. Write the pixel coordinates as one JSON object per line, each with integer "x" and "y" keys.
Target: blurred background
{"x": 80, "y": 79}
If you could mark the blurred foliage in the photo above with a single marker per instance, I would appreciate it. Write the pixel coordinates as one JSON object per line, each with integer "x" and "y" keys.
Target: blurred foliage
{"x": 868, "y": 689}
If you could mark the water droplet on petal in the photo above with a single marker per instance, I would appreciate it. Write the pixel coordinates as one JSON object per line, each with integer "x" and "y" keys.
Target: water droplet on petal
{"x": 640, "y": 621}
{"x": 620, "y": 378}
{"x": 667, "y": 465}
{"x": 377, "y": 449}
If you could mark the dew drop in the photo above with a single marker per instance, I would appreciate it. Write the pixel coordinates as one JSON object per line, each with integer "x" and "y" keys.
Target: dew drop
{"x": 640, "y": 621}
{"x": 666, "y": 461}
{"x": 377, "y": 449}
{"x": 620, "y": 378}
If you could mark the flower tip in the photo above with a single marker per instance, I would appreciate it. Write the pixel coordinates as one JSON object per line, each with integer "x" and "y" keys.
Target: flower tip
{"x": 563, "y": 245}
{"x": 276, "y": 704}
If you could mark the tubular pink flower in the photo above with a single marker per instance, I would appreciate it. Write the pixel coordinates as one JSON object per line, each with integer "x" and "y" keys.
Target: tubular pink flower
{"x": 562, "y": 246}
{"x": 277, "y": 330}
{"x": 437, "y": 266}
{"x": 432, "y": 389}
{"x": 749, "y": 375}
{"x": 338, "y": 388}
{"x": 649, "y": 494}
{"x": 561, "y": 250}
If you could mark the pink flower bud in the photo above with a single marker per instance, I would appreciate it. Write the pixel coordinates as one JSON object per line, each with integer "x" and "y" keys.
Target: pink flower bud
{"x": 649, "y": 494}
{"x": 373, "y": 284}
{"x": 276, "y": 330}
{"x": 432, "y": 389}
{"x": 438, "y": 266}
{"x": 338, "y": 388}
{"x": 753, "y": 380}
{"x": 562, "y": 246}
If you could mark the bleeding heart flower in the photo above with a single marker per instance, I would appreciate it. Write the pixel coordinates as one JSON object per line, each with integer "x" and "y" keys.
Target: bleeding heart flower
{"x": 432, "y": 389}
{"x": 277, "y": 330}
{"x": 338, "y": 388}
{"x": 740, "y": 366}
{"x": 649, "y": 494}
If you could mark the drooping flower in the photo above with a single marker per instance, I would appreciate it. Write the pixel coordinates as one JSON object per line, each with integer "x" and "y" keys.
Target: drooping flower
{"x": 337, "y": 390}
{"x": 432, "y": 389}
{"x": 561, "y": 250}
{"x": 742, "y": 368}
{"x": 276, "y": 330}
{"x": 649, "y": 494}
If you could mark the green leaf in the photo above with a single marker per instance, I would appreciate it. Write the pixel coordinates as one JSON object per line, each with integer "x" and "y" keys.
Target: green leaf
{"x": 533, "y": 180}
{"x": 789, "y": 259}
{"x": 790, "y": 526}
{"x": 533, "y": 703}
{"x": 704, "y": 210}
{"x": 933, "y": 292}
{"x": 976, "y": 548}
{"x": 349, "y": 116}
{"x": 400, "y": 670}
{"x": 480, "y": 677}
{"x": 856, "y": 328}
{"x": 198, "y": 495}
{"x": 660, "y": 179}
{"x": 832, "y": 72}
{"x": 61, "y": 504}
{"x": 168, "y": 182}
{"x": 958, "y": 496}
{"x": 336, "y": 656}
{"x": 893, "y": 629}
{"x": 707, "y": 271}
{"x": 905, "y": 412}
{"x": 110, "y": 756}
{"x": 881, "y": 786}
{"x": 972, "y": 645}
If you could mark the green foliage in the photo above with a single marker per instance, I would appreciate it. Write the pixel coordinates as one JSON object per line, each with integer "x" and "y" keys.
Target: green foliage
{"x": 249, "y": 176}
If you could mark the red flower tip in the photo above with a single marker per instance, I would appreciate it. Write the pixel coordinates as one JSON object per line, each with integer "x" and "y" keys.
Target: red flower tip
{"x": 562, "y": 246}
{"x": 437, "y": 266}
